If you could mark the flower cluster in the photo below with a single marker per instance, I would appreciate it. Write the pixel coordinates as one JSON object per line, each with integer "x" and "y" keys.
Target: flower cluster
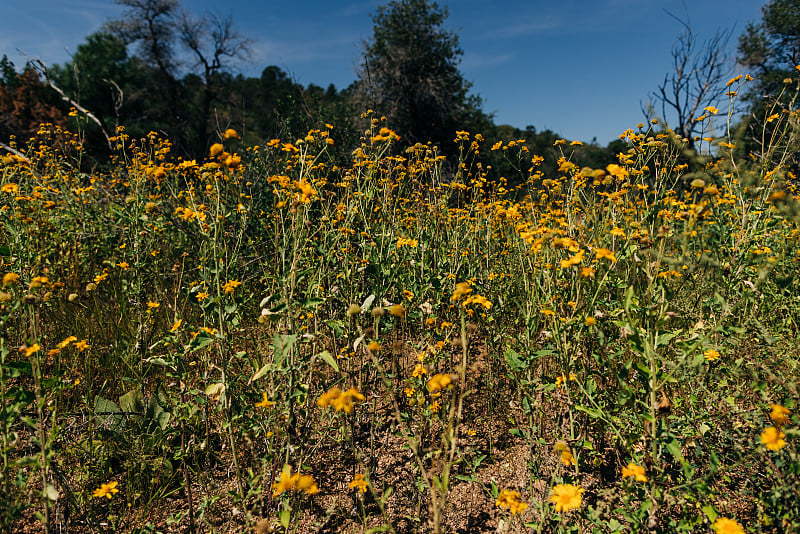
{"x": 510, "y": 500}
{"x": 339, "y": 400}
{"x": 294, "y": 482}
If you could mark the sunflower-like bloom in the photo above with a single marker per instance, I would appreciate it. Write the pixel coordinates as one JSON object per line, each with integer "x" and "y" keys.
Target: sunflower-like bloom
{"x": 566, "y": 497}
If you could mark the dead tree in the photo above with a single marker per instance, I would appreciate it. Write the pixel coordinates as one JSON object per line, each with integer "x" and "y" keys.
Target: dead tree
{"x": 696, "y": 81}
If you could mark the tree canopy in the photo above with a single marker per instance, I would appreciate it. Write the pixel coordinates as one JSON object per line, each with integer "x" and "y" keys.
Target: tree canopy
{"x": 772, "y": 47}
{"x": 410, "y": 73}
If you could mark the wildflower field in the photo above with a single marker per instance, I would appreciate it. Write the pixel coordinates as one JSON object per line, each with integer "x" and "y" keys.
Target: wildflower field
{"x": 277, "y": 340}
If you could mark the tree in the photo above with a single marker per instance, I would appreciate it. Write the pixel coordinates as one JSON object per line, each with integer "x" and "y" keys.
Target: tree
{"x": 25, "y": 103}
{"x": 150, "y": 25}
{"x": 410, "y": 74}
{"x": 212, "y": 40}
{"x": 696, "y": 81}
{"x": 772, "y": 48}
{"x": 164, "y": 35}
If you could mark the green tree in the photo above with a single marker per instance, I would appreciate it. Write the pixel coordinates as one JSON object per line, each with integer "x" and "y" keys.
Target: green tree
{"x": 410, "y": 73}
{"x": 772, "y": 48}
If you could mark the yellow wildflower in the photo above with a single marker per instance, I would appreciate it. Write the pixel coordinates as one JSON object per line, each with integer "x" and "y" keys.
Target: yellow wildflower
{"x": 462, "y": 290}
{"x": 286, "y": 482}
{"x": 711, "y": 355}
{"x": 359, "y": 483}
{"x": 438, "y": 382}
{"x": 306, "y": 191}
{"x": 306, "y": 484}
{"x": 636, "y": 471}
{"x": 106, "y": 490}
{"x": 478, "y": 299}
{"x": 779, "y": 414}
{"x": 30, "y": 350}
{"x": 568, "y": 459}
{"x": 574, "y": 260}
{"x": 230, "y": 286}
{"x": 604, "y": 253}
{"x": 10, "y": 278}
{"x": 397, "y": 310}
{"x": 215, "y": 150}
{"x": 773, "y": 438}
{"x": 566, "y": 497}
{"x": 617, "y": 171}
{"x": 511, "y": 500}
{"x": 419, "y": 370}
{"x": 723, "y": 525}
{"x": 265, "y": 402}
{"x": 39, "y": 281}
{"x": 340, "y": 401}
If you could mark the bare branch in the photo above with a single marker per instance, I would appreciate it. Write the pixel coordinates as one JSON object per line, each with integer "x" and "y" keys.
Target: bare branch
{"x": 65, "y": 98}
{"x": 696, "y": 80}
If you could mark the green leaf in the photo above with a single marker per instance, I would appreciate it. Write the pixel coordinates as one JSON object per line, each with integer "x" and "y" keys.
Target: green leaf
{"x": 628, "y": 298}
{"x": 102, "y": 405}
{"x": 711, "y": 514}
{"x": 330, "y": 360}
{"x": 132, "y": 401}
{"x": 156, "y": 413}
{"x": 674, "y": 448}
{"x": 281, "y": 345}
{"x": 5, "y": 251}
{"x": 267, "y": 367}
{"x": 284, "y": 516}
{"x": 665, "y": 338}
{"x": 312, "y": 302}
{"x": 514, "y": 360}
{"x": 386, "y": 494}
{"x": 367, "y": 303}
{"x": 591, "y": 412}
{"x": 216, "y": 391}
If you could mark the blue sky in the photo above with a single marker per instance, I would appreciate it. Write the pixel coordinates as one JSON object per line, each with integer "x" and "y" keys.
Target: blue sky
{"x": 581, "y": 68}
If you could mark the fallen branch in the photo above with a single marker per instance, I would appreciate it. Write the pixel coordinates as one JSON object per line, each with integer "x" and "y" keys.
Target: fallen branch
{"x": 13, "y": 151}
